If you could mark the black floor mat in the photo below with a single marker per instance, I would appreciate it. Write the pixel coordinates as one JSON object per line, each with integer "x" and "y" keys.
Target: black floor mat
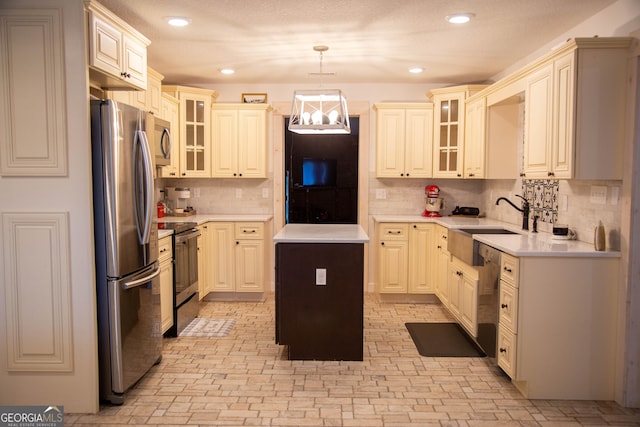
{"x": 443, "y": 340}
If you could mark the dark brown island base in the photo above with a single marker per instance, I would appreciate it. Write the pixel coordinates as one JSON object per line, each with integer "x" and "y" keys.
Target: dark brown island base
{"x": 320, "y": 291}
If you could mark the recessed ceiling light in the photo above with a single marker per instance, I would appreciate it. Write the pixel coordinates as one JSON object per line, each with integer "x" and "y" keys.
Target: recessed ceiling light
{"x": 459, "y": 18}
{"x": 178, "y": 21}
{"x": 227, "y": 71}
{"x": 416, "y": 70}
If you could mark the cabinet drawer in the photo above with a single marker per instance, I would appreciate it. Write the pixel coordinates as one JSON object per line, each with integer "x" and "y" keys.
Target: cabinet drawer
{"x": 165, "y": 250}
{"x": 249, "y": 230}
{"x": 507, "y": 351}
{"x": 442, "y": 233}
{"x": 508, "y": 316}
{"x": 394, "y": 231}
{"x": 509, "y": 269}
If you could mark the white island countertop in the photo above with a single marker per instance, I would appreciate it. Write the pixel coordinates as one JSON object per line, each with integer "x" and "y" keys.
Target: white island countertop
{"x": 321, "y": 233}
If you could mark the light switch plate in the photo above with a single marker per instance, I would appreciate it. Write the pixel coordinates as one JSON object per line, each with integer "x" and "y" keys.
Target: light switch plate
{"x": 381, "y": 193}
{"x": 598, "y": 194}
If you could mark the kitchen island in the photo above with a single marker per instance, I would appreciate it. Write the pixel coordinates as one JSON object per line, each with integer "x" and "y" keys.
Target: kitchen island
{"x": 320, "y": 291}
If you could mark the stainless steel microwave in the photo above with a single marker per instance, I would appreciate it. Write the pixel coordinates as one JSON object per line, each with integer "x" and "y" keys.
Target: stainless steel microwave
{"x": 159, "y": 134}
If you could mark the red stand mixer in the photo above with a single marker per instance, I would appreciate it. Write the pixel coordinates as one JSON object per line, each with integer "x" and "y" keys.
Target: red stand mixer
{"x": 433, "y": 202}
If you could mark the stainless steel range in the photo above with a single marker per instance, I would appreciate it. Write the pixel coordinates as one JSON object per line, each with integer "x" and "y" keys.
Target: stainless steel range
{"x": 185, "y": 255}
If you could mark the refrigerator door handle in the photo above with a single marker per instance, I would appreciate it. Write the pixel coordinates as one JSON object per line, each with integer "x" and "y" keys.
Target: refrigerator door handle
{"x": 146, "y": 216}
{"x": 138, "y": 282}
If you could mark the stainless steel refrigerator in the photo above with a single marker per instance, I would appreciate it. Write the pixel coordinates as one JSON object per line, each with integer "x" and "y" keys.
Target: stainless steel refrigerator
{"x": 126, "y": 238}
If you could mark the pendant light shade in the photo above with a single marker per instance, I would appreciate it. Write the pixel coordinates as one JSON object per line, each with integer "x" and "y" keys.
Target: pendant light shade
{"x": 319, "y": 111}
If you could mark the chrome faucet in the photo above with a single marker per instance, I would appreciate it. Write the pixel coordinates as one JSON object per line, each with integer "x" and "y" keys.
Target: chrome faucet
{"x": 525, "y": 209}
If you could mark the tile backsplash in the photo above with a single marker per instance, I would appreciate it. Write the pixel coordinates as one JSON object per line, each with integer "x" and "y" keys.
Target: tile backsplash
{"x": 542, "y": 194}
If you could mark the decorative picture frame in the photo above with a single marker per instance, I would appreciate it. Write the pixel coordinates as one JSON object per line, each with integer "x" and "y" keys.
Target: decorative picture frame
{"x": 254, "y": 98}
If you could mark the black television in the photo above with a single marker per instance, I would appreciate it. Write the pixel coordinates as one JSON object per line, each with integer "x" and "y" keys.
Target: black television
{"x": 318, "y": 172}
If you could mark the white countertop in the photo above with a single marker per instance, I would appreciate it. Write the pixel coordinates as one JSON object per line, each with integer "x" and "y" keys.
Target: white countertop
{"x": 164, "y": 233}
{"x": 202, "y": 218}
{"x": 525, "y": 243}
{"x": 321, "y": 233}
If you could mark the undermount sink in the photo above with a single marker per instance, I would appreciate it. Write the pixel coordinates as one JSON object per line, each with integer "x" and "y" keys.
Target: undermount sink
{"x": 486, "y": 231}
{"x": 461, "y": 244}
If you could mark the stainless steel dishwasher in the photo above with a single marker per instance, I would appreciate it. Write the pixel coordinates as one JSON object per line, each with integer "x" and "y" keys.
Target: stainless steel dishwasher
{"x": 488, "y": 261}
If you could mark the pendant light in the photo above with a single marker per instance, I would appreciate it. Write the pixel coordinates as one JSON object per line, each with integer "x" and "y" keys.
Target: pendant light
{"x": 319, "y": 111}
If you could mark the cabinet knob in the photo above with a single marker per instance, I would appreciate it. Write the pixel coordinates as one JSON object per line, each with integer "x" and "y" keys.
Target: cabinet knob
{"x": 407, "y": 174}
{"x": 439, "y": 247}
{"x": 459, "y": 175}
{"x": 237, "y": 243}
{"x": 550, "y": 174}
{"x": 401, "y": 174}
{"x": 239, "y": 174}
{"x": 125, "y": 75}
{"x": 504, "y": 305}
{"x": 382, "y": 243}
{"x": 459, "y": 273}
{"x": 415, "y": 226}
{"x": 471, "y": 174}
{"x": 503, "y": 350}
{"x": 508, "y": 270}
{"x": 522, "y": 174}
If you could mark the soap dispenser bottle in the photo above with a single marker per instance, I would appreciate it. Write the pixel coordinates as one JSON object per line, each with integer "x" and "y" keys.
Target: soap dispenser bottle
{"x": 599, "y": 238}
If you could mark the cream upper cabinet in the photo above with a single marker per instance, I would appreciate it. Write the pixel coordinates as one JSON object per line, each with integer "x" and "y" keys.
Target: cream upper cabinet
{"x": 146, "y": 100}
{"x": 239, "y": 140}
{"x": 449, "y": 127}
{"x": 574, "y": 111}
{"x": 194, "y": 129}
{"x": 117, "y": 52}
{"x": 170, "y": 111}
{"x": 404, "y": 134}
{"x": 474, "y": 138}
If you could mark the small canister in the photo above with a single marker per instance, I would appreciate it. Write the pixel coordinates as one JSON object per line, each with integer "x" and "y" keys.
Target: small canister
{"x": 599, "y": 238}
{"x": 160, "y": 210}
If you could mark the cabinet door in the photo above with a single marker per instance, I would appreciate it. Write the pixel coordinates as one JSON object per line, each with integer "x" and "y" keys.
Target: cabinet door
{"x": 252, "y": 144}
{"x": 222, "y": 257}
{"x": 538, "y": 123}
{"x": 418, "y": 143}
{"x": 106, "y": 46}
{"x": 390, "y": 134}
{"x": 562, "y": 149}
{"x": 469, "y": 302}
{"x": 393, "y": 265}
{"x": 454, "y": 278}
{"x": 195, "y": 160}
{"x": 507, "y": 351}
{"x": 448, "y": 138}
{"x": 249, "y": 260}
{"x": 170, "y": 111}
{"x": 443, "y": 258}
{"x": 474, "y": 139}
{"x": 166, "y": 294}
{"x": 420, "y": 272}
{"x": 224, "y": 143}
{"x": 135, "y": 62}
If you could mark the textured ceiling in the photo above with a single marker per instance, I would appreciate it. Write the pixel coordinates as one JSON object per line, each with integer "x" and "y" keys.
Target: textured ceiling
{"x": 370, "y": 41}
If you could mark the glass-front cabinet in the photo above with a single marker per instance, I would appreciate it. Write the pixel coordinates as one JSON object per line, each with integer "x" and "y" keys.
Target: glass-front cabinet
{"x": 195, "y": 129}
{"x": 448, "y": 136}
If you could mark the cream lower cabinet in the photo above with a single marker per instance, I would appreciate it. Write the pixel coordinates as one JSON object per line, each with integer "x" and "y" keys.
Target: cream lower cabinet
{"x": 442, "y": 258}
{"x": 557, "y": 326}
{"x": 463, "y": 294}
{"x": 404, "y": 258}
{"x": 238, "y": 259}
{"x": 165, "y": 257}
{"x": 205, "y": 274}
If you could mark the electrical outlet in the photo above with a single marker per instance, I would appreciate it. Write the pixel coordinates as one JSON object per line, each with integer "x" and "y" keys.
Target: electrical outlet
{"x": 321, "y": 276}
{"x": 238, "y": 193}
{"x": 196, "y": 192}
{"x": 381, "y": 193}
{"x": 564, "y": 203}
{"x": 598, "y": 194}
{"x": 265, "y": 193}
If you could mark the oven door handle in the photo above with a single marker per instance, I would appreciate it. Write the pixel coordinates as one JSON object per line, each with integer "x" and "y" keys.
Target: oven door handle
{"x": 138, "y": 282}
{"x": 183, "y": 237}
